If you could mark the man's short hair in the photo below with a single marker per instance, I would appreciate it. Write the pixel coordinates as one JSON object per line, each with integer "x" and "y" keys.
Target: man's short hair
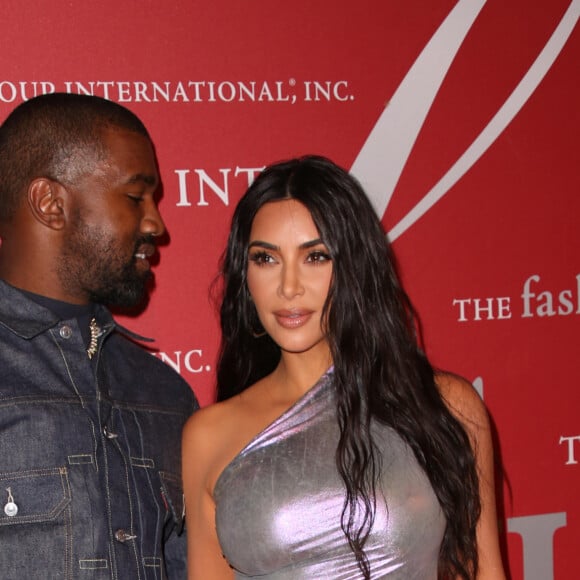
{"x": 55, "y": 136}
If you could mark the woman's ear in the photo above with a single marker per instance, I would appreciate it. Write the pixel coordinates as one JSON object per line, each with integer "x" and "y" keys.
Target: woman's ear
{"x": 46, "y": 202}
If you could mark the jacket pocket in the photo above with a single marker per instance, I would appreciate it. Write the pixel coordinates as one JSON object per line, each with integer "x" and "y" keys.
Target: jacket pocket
{"x": 35, "y": 524}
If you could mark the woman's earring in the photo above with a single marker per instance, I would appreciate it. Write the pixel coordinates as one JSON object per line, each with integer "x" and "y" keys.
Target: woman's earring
{"x": 258, "y": 334}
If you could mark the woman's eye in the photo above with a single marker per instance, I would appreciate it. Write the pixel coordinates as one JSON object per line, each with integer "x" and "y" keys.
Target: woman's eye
{"x": 318, "y": 256}
{"x": 135, "y": 198}
{"x": 261, "y": 258}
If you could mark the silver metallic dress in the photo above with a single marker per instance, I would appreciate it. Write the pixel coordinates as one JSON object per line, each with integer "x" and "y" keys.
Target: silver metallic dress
{"x": 279, "y": 503}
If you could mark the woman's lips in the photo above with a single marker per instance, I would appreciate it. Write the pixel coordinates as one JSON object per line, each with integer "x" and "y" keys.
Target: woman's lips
{"x": 292, "y": 318}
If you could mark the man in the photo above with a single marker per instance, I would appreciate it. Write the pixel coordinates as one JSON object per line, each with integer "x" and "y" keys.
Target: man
{"x": 90, "y": 423}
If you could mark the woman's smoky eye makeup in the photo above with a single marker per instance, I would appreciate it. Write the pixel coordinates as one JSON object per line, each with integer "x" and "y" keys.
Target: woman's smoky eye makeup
{"x": 260, "y": 252}
{"x": 319, "y": 256}
{"x": 315, "y": 252}
{"x": 259, "y": 257}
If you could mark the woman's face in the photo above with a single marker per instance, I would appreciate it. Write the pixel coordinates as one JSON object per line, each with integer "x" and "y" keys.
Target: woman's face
{"x": 289, "y": 275}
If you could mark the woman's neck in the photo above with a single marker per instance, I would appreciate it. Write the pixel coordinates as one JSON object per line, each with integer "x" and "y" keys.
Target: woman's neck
{"x": 298, "y": 372}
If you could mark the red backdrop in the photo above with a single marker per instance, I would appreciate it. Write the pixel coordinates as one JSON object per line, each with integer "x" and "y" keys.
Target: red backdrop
{"x": 462, "y": 120}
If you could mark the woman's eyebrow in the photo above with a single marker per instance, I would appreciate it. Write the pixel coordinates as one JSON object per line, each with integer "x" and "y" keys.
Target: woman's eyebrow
{"x": 268, "y": 246}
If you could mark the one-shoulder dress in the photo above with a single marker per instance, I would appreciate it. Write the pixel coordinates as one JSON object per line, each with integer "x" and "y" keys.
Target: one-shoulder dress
{"x": 279, "y": 503}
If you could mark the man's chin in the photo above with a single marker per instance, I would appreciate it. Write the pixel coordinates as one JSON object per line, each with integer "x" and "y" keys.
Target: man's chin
{"x": 130, "y": 294}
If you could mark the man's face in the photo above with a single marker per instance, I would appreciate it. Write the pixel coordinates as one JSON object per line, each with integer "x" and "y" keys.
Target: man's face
{"x": 112, "y": 224}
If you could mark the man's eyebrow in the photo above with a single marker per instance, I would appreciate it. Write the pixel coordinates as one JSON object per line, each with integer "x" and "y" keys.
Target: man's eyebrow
{"x": 143, "y": 178}
{"x": 268, "y": 246}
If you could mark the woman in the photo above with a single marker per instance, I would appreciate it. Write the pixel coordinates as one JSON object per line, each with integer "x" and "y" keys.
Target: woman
{"x": 334, "y": 451}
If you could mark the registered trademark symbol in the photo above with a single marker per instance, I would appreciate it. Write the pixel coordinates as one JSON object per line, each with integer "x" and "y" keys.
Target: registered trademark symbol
{"x": 292, "y": 82}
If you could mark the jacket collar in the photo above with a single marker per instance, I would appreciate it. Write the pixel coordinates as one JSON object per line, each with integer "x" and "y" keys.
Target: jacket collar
{"x": 28, "y": 319}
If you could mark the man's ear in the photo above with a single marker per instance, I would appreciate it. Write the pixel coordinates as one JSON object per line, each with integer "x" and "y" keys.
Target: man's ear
{"x": 46, "y": 200}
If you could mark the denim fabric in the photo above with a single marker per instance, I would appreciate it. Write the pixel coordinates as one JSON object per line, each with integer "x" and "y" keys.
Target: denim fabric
{"x": 89, "y": 452}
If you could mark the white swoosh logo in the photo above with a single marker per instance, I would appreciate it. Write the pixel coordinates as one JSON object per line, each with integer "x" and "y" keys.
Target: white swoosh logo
{"x": 382, "y": 158}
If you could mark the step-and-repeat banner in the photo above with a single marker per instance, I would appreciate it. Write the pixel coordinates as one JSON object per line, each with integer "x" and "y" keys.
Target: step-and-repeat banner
{"x": 461, "y": 118}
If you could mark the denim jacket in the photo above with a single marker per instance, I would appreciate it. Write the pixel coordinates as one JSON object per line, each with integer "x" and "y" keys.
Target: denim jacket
{"x": 90, "y": 478}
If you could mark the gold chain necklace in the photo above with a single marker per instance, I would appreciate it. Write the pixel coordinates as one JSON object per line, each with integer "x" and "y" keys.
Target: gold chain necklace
{"x": 94, "y": 342}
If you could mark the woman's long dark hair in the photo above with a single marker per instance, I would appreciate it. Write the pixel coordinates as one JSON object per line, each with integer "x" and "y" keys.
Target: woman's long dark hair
{"x": 380, "y": 371}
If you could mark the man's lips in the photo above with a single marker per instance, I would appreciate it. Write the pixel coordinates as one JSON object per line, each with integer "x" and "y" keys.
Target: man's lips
{"x": 293, "y": 318}
{"x": 145, "y": 251}
{"x": 142, "y": 255}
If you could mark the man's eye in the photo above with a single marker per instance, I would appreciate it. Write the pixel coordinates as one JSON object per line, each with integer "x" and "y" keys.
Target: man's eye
{"x": 135, "y": 198}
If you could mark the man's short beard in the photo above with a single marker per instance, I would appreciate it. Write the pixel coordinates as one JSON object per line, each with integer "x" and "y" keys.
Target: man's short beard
{"x": 92, "y": 264}
{"x": 127, "y": 291}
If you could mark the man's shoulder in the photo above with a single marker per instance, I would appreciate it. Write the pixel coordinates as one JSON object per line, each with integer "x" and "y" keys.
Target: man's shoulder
{"x": 140, "y": 366}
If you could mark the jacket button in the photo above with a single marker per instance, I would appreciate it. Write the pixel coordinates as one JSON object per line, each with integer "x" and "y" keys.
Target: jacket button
{"x": 65, "y": 331}
{"x": 10, "y": 509}
{"x": 123, "y": 536}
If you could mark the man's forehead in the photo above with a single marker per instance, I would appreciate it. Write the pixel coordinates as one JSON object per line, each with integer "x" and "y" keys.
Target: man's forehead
{"x": 125, "y": 156}
{"x": 130, "y": 148}
{"x": 147, "y": 179}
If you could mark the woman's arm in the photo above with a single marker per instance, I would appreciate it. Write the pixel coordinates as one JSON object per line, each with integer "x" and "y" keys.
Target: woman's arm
{"x": 204, "y": 557}
{"x": 466, "y": 405}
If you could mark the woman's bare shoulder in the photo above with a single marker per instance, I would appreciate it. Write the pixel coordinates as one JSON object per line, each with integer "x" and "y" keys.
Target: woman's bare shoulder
{"x": 208, "y": 424}
{"x": 215, "y": 434}
{"x": 462, "y": 399}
